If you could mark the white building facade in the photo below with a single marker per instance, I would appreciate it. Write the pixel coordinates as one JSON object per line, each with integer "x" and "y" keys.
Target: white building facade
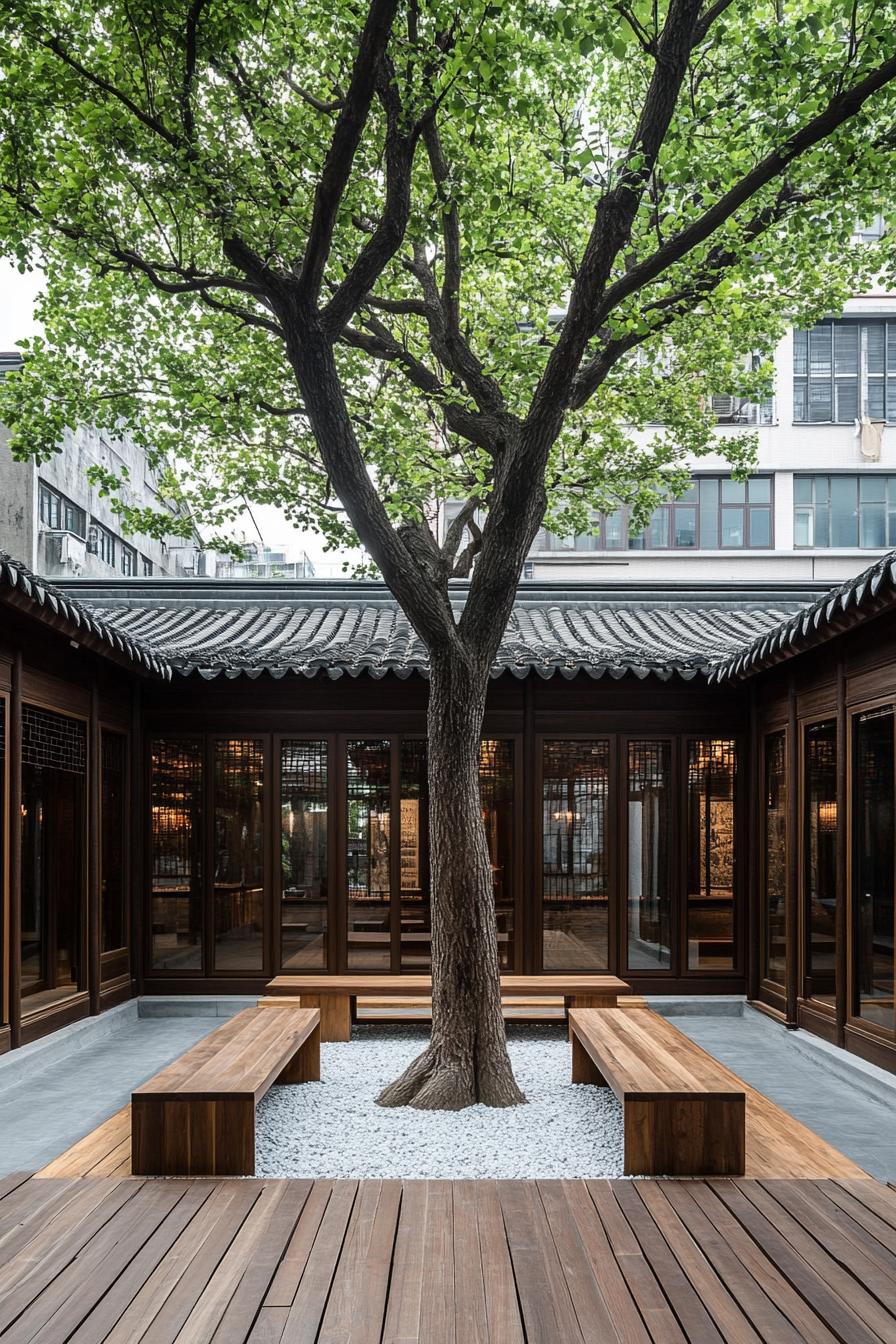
{"x": 822, "y": 504}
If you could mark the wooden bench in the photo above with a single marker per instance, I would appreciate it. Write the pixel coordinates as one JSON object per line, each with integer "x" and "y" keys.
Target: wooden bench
{"x": 684, "y": 1114}
{"x": 335, "y": 995}
{"x": 197, "y": 1117}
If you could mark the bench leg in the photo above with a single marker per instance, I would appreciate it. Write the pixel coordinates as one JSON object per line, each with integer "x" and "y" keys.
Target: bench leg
{"x": 699, "y": 1136}
{"x": 304, "y": 1067}
{"x": 335, "y": 1014}
{"x": 193, "y": 1138}
{"x": 584, "y": 1069}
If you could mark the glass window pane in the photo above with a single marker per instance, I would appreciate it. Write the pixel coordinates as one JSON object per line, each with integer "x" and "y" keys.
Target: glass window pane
{"x": 649, "y": 855}
{"x": 496, "y": 793}
{"x": 303, "y": 855}
{"x": 614, "y": 530}
{"x": 874, "y": 339}
{"x": 820, "y": 351}
{"x": 760, "y": 527}
{"x": 872, "y": 488}
{"x": 803, "y": 527}
{"x": 873, "y": 525}
{"x": 368, "y": 856}
{"x": 113, "y": 823}
{"x": 821, "y": 408}
{"x": 575, "y": 841}
{"x": 844, "y": 511}
{"x": 733, "y": 527}
{"x": 238, "y": 876}
{"x": 416, "y": 919}
{"x": 53, "y": 814}
{"x": 874, "y": 823}
{"x": 709, "y": 514}
{"x": 846, "y": 392}
{"x": 176, "y": 803}
{"x": 800, "y": 353}
{"x": 822, "y": 525}
{"x": 820, "y": 886}
{"x": 685, "y": 526}
{"x": 774, "y": 894}
{"x": 733, "y": 492}
{"x": 846, "y": 348}
{"x": 658, "y": 531}
{"x": 760, "y": 489}
{"x": 800, "y": 401}
{"x": 802, "y": 489}
{"x": 710, "y": 855}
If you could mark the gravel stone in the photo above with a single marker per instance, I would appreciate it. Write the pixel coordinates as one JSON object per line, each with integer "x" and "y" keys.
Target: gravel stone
{"x": 334, "y": 1128}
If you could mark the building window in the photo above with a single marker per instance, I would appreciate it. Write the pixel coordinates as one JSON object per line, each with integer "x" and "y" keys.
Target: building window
{"x": 238, "y": 856}
{"x": 176, "y": 806}
{"x": 650, "y": 841}
{"x": 710, "y": 855}
{"x": 54, "y": 805}
{"x": 714, "y": 513}
{"x": 102, "y": 542}
{"x": 128, "y": 559}
{"x": 147, "y": 567}
{"x": 575, "y": 855}
{"x": 303, "y": 855}
{"x": 844, "y": 511}
{"x": 874, "y": 819}
{"x": 820, "y": 877}
{"x": 59, "y": 513}
{"x": 368, "y": 857}
{"x": 113, "y": 832}
{"x": 844, "y": 369}
{"x": 774, "y": 895}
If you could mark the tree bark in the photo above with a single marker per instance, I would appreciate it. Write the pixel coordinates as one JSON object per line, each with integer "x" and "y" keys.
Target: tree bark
{"x": 466, "y": 1060}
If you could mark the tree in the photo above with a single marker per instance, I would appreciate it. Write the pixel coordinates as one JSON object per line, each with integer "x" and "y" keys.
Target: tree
{"x": 358, "y": 257}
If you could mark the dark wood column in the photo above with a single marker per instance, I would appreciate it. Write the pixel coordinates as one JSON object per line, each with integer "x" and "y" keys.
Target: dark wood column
{"x": 15, "y": 855}
{"x": 843, "y": 902}
{"x": 754, "y": 793}
{"x": 94, "y": 846}
{"x": 793, "y": 858}
{"x": 138, "y": 812}
{"x": 531, "y": 813}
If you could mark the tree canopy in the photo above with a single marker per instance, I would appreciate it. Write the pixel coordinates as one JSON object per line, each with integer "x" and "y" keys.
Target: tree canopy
{"x": 494, "y": 203}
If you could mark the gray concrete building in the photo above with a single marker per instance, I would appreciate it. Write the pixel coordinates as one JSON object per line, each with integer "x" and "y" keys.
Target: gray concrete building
{"x": 56, "y": 522}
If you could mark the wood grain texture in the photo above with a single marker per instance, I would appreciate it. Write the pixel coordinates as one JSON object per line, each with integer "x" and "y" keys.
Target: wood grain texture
{"x": 197, "y": 1116}
{"x": 447, "y": 1262}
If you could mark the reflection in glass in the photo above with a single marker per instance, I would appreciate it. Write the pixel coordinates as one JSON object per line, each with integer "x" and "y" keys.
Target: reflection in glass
{"x": 416, "y": 926}
{"x": 496, "y": 794}
{"x": 238, "y": 858}
{"x": 820, "y": 883}
{"x": 112, "y": 839}
{"x": 649, "y": 854}
{"x": 176, "y": 804}
{"x": 303, "y": 855}
{"x": 710, "y": 854}
{"x": 775, "y": 875}
{"x": 574, "y": 855}
{"x": 54, "y": 777}
{"x": 368, "y": 856}
{"x": 874, "y": 857}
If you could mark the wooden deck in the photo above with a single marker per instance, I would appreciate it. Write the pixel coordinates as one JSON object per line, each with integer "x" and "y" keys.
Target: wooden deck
{"x": 447, "y": 1262}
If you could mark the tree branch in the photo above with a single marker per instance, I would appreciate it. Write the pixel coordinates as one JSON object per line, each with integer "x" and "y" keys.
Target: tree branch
{"x": 346, "y": 137}
{"x": 389, "y": 233}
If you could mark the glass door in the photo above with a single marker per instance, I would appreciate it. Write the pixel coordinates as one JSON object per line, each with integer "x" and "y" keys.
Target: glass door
{"x": 820, "y": 861}
{"x": 575, "y": 851}
{"x": 874, "y": 857}
{"x": 650, "y": 829}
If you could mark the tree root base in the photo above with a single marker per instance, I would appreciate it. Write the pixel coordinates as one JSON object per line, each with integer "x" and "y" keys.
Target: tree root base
{"x": 433, "y": 1083}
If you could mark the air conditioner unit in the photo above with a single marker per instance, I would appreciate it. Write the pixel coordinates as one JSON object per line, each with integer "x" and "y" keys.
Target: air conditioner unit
{"x": 724, "y": 407}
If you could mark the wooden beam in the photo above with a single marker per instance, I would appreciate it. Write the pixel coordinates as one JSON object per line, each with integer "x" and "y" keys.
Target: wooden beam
{"x": 15, "y": 854}
{"x": 792, "y": 922}
{"x": 842, "y": 859}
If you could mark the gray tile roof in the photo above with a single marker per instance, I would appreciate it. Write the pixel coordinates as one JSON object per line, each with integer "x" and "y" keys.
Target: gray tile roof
{"x": 837, "y": 610}
{"x": 59, "y": 609}
{"x": 233, "y": 628}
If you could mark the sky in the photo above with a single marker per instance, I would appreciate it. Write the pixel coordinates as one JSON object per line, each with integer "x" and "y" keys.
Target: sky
{"x": 17, "y": 295}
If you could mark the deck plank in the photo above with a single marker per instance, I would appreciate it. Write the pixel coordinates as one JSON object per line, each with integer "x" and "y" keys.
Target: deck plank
{"x": 441, "y": 1262}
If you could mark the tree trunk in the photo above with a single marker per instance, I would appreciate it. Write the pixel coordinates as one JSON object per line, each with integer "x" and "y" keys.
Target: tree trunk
{"x": 466, "y": 1060}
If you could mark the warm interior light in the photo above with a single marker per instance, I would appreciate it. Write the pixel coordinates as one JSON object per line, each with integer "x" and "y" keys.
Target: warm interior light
{"x": 827, "y": 816}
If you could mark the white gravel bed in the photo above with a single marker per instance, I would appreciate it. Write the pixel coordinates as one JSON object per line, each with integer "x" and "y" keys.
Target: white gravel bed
{"x": 335, "y": 1129}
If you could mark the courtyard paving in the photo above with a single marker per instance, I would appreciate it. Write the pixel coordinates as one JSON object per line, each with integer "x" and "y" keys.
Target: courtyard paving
{"x": 63, "y": 1094}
